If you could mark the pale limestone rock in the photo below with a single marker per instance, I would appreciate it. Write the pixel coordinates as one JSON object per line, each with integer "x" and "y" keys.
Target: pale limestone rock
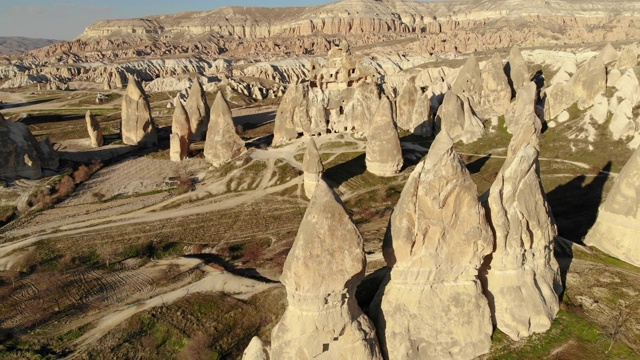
{"x": 588, "y": 82}
{"x": 567, "y": 68}
{"x": 456, "y": 117}
{"x": 613, "y": 76}
{"x": 628, "y": 58}
{"x": 517, "y": 69}
{"x": 618, "y": 223}
{"x": 563, "y": 117}
{"x": 521, "y": 278}
{"x": 629, "y": 87}
{"x": 256, "y": 350}
{"x": 384, "y": 154}
{"x": 312, "y": 167}
{"x": 406, "y": 103}
{"x": 18, "y": 151}
{"x": 423, "y": 117}
{"x": 469, "y": 82}
{"x": 302, "y": 110}
{"x": 608, "y": 54}
{"x": 180, "y": 134}
{"x": 197, "y": 111}
{"x": 599, "y": 110}
{"x": 431, "y": 304}
{"x": 284, "y": 128}
{"x": 559, "y": 98}
{"x": 622, "y": 124}
{"x": 106, "y": 85}
{"x": 521, "y": 110}
{"x": 321, "y": 273}
{"x": 94, "y": 130}
{"x": 496, "y": 92}
{"x": 137, "y": 127}
{"x": 222, "y": 143}
{"x": 360, "y": 110}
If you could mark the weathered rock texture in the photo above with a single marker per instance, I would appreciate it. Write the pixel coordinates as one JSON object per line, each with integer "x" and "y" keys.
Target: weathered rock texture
{"x": 321, "y": 273}
{"x": 617, "y": 226}
{"x": 198, "y": 111}
{"x": 137, "y": 126}
{"x": 431, "y": 305}
{"x": 523, "y": 109}
{"x": 384, "y": 154}
{"x": 496, "y": 92}
{"x": 589, "y": 81}
{"x": 312, "y": 167}
{"x": 469, "y": 82}
{"x": 521, "y": 278}
{"x": 180, "y": 134}
{"x": 456, "y": 117}
{"x": 21, "y": 155}
{"x": 608, "y": 54}
{"x": 517, "y": 69}
{"x": 302, "y": 110}
{"x": 93, "y": 127}
{"x": 628, "y": 58}
{"x": 560, "y": 96}
{"x": 256, "y": 350}
{"x": 223, "y": 143}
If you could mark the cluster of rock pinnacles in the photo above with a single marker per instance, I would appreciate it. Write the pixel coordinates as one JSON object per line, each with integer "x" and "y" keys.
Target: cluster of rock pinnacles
{"x": 458, "y": 266}
{"x": 192, "y": 121}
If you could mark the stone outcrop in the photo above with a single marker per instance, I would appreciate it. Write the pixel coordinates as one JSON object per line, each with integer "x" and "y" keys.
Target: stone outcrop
{"x": 517, "y": 69}
{"x": 588, "y": 82}
{"x": 496, "y": 92}
{"x": 431, "y": 305}
{"x": 94, "y": 130}
{"x": 256, "y": 350}
{"x": 312, "y": 167}
{"x": 559, "y": 97}
{"x": 608, "y": 54}
{"x": 222, "y": 143}
{"x": 523, "y": 109}
{"x": 302, "y": 110}
{"x": 406, "y": 103}
{"x": 21, "y": 155}
{"x": 521, "y": 278}
{"x": 360, "y": 110}
{"x": 456, "y": 117}
{"x": 198, "y": 111}
{"x": 622, "y": 124}
{"x": 137, "y": 126}
{"x": 628, "y": 58}
{"x": 618, "y": 223}
{"x": 469, "y": 82}
{"x": 180, "y": 134}
{"x": 384, "y": 154}
{"x": 321, "y": 273}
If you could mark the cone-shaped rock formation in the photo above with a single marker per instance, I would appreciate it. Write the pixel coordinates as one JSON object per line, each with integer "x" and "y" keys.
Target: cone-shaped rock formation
{"x": 137, "y": 126}
{"x": 617, "y": 227}
{"x": 384, "y": 154}
{"x": 223, "y": 143}
{"x": 198, "y": 111}
{"x": 431, "y": 306}
{"x": 321, "y": 273}
{"x": 180, "y": 134}
{"x": 94, "y": 130}
{"x": 312, "y": 167}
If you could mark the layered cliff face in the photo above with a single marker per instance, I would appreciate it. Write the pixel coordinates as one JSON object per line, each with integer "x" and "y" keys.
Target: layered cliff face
{"x": 249, "y": 31}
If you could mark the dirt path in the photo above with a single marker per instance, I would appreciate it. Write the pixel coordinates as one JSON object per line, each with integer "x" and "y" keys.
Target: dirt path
{"x": 215, "y": 281}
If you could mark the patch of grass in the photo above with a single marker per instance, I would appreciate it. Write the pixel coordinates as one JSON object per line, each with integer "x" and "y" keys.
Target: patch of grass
{"x": 6, "y": 214}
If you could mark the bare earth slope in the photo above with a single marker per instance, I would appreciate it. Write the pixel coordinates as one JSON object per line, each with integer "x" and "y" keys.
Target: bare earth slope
{"x": 15, "y": 45}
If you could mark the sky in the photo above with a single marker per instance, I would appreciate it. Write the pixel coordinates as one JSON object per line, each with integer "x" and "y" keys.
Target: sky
{"x": 66, "y": 19}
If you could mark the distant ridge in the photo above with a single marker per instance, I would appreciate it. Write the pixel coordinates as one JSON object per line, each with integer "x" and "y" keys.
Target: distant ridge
{"x": 16, "y": 45}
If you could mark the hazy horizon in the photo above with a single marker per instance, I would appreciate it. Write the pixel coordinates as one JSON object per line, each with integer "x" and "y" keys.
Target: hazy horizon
{"x": 65, "y": 20}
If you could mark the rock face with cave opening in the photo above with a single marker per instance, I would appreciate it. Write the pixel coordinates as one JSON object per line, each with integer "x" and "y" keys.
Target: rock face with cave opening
{"x": 617, "y": 226}
{"x": 431, "y": 305}
{"x": 321, "y": 273}
{"x": 223, "y": 143}
{"x": 137, "y": 127}
{"x": 521, "y": 278}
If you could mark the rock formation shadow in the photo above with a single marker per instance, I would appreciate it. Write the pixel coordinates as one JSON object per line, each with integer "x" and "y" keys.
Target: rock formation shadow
{"x": 27, "y": 103}
{"x": 251, "y": 273}
{"x": 563, "y": 252}
{"x": 42, "y": 119}
{"x": 475, "y": 166}
{"x": 339, "y": 174}
{"x": 575, "y": 204}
